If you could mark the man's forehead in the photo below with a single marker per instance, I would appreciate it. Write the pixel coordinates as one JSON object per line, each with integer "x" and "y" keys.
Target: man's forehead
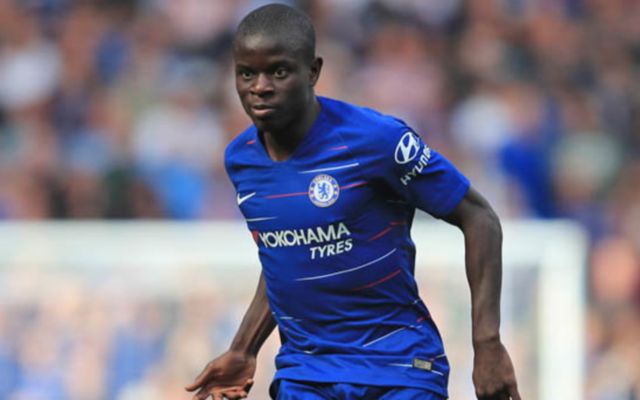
{"x": 264, "y": 43}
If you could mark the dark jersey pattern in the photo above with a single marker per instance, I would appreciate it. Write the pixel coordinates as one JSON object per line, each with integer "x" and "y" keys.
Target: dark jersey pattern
{"x": 332, "y": 225}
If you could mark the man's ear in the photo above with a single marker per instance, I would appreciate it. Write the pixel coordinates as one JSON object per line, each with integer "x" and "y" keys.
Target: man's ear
{"x": 314, "y": 70}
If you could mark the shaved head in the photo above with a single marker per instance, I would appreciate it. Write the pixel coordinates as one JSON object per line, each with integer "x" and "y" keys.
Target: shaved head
{"x": 286, "y": 25}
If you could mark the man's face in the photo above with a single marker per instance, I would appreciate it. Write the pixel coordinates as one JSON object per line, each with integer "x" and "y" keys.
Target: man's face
{"x": 274, "y": 83}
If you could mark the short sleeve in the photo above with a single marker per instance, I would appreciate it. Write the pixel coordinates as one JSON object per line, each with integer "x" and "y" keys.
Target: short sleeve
{"x": 228, "y": 165}
{"x": 418, "y": 174}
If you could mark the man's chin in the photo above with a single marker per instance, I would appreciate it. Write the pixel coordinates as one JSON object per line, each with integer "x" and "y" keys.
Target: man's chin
{"x": 267, "y": 124}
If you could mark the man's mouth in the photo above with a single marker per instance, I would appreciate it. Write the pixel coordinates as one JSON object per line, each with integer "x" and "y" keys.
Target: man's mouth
{"x": 262, "y": 110}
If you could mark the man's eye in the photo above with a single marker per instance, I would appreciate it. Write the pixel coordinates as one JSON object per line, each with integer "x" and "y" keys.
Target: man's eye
{"x": 280, "y": 73}
{"x": 246, "y": 74}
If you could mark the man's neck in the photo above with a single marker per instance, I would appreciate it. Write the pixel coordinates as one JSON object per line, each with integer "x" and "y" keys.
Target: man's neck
{"x": 281, "y": 145}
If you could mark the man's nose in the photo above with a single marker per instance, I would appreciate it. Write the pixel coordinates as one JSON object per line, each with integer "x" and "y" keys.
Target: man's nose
{"x": 262, "y": 85}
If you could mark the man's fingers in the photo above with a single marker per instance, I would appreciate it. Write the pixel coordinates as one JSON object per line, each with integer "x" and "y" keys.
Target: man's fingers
{"x": 192, "y": 387}
{"x": 513, "y": 391}
{"x": 201, "y": 395}
{"x": 206, "y": 387}
{"x": 203, "y": 379}
{"x": 217, "y": 393}
{"x": 209, "y": 390}
{"x": 232, "y": 392}
{"x": 235, "y": 393}
{"x": 248, "y": 384}
{"x": 200, "y": 381}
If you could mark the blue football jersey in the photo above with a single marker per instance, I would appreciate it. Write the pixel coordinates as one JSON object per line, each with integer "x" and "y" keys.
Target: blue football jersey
{"x": 332, "y": 225}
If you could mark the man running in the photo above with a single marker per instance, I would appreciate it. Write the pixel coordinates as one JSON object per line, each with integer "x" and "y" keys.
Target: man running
{"x": 329, "y": 190}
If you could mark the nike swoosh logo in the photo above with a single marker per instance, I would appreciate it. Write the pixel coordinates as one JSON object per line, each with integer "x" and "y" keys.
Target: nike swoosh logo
{"x": 245, "y": 197}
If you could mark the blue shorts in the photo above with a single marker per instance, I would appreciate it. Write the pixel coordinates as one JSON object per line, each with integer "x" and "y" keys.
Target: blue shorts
{"x": 285, "y": 389}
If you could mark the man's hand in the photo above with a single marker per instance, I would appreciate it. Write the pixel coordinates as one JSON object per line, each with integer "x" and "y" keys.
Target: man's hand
{"x": 493, "y": 374}
{"x": 229, "y": 376}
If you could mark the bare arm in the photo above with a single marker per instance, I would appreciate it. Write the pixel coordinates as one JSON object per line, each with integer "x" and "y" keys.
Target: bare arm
{"x": 483, "y": 260}
{"x": 493, "y": 372}
{"x": 257, "y": 324}
{"x": 231, "y": 374}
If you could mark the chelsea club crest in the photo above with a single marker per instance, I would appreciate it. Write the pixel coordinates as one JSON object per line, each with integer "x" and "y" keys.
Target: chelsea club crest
{"x": 323, "y": 190}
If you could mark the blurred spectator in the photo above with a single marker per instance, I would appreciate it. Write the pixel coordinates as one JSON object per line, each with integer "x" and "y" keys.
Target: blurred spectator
{"x": 176, "y": 143}
{"x": 615, "y": 348}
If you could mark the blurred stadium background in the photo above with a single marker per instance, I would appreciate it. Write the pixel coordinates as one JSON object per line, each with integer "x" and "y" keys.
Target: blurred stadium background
{"x": 120, "y": 110}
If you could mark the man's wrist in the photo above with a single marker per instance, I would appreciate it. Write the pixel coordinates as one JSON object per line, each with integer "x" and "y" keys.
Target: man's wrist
{"x": 480, "y": 340}
{"x": 244, "y": 348}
